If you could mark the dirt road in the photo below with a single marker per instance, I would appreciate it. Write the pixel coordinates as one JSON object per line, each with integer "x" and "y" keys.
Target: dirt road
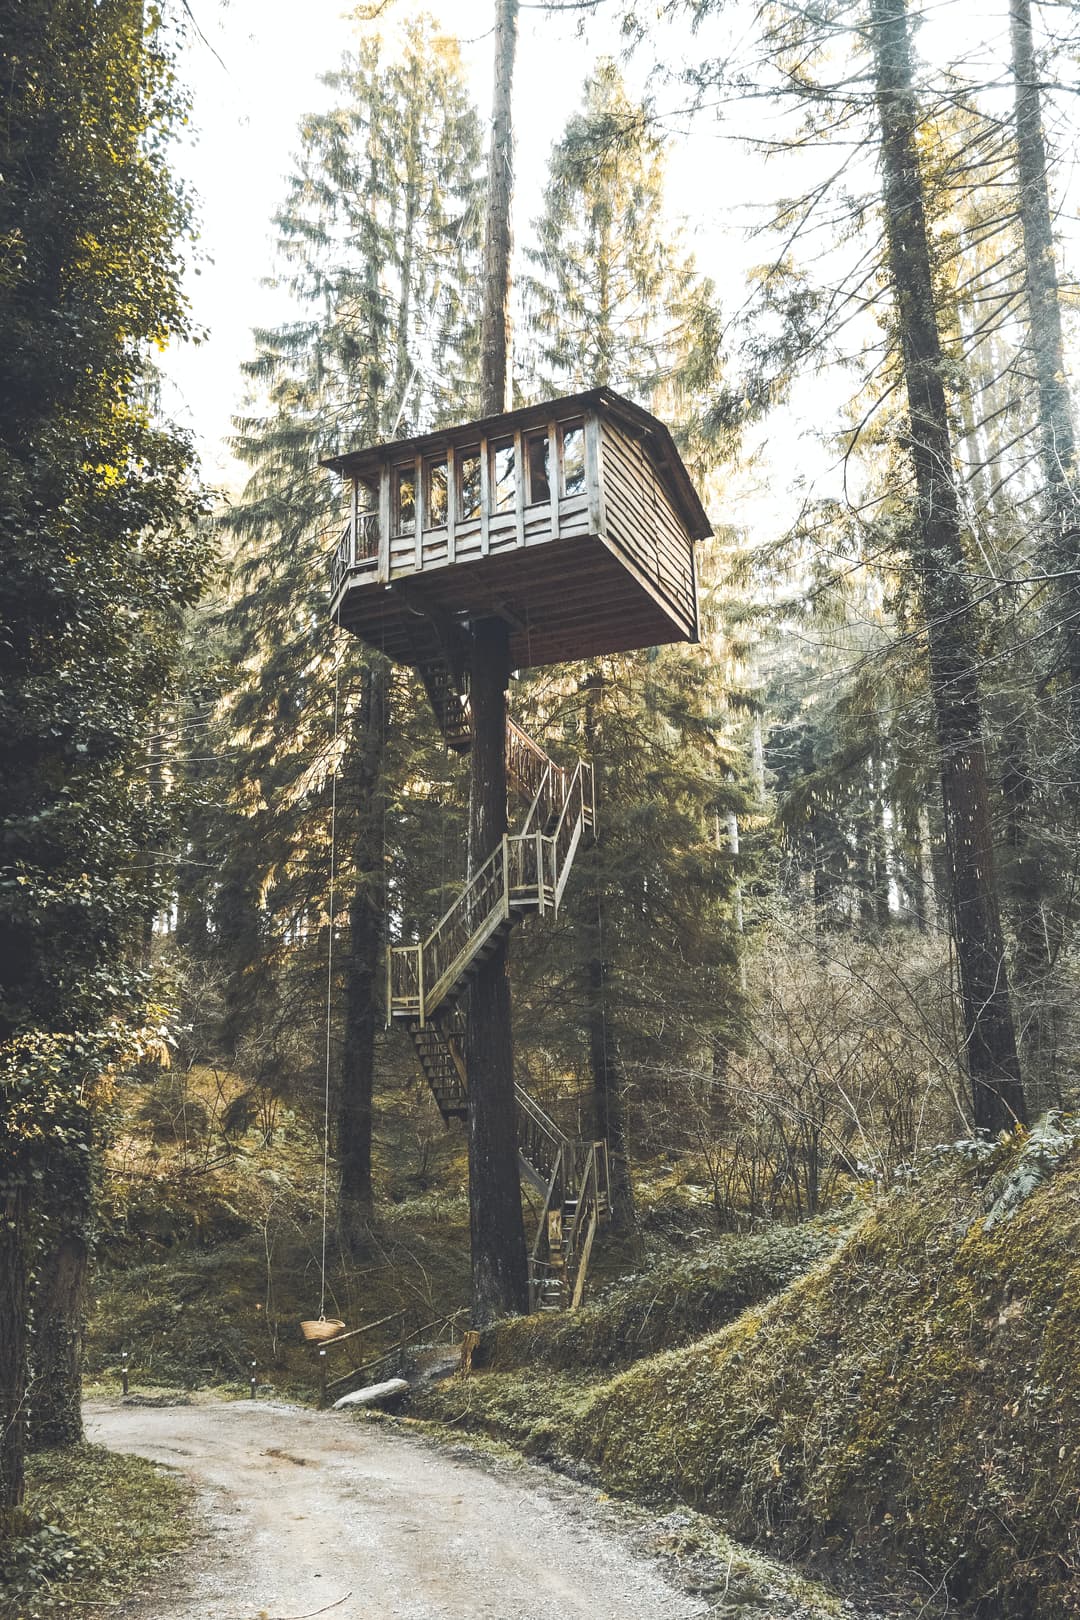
{"x": 306, "y": 1509}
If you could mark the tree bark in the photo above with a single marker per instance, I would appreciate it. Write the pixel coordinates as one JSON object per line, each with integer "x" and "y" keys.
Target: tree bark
{"x": 495, "y": 321}
{"x": 609, "y": 1094}
{"x": 1057, "y": 432}
{"x": 1037, "y": 918}
{"x": 500, "y": 1276}
{"x": 367, "y": 910}
{"x": 14, "y": 1311}
{"x": 56, "y": 1339}
{"x": 993, "y": 1065}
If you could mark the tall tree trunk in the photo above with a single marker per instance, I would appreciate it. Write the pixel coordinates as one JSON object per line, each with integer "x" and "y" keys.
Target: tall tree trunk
{"x": 495, "y": 318}
{"x": 993, "y": 1065}
{"x": 500, "y": 1270}
{"x": 362, "y": 968}
{"x": 56, "y": 1337}
{"x": 500, "y": 1277}
{"x": 14, "y": 1310}
{"x": 1037, "y": 923}
{"x": 608, "y": 1083}
{"x": 1057, "y": 431}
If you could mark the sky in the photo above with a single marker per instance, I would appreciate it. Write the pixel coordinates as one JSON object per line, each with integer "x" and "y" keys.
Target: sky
{"x": 253, "y": 69}
{"x": 253, "y": 75}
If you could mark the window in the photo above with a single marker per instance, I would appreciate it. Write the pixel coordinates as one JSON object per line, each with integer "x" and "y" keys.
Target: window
{"x": 435, "y": 504}
{"x": 366, "y": 496}
{"x": 536, "y": 459}
{"x": 404, "y": 500}
{"x": 573, "y": 459}
{"x": 504, "y": 475}
{"x": 468, "y": 486}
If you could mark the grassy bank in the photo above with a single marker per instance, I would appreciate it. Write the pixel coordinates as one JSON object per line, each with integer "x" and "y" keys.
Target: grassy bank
{"x": 912, "y": 1402}
{"x": 94, "y": 1530}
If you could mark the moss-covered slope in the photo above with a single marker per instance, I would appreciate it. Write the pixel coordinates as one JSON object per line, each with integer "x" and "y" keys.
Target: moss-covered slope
{"x": 913, "y": 1402}
{"x": 673, "y": 1303}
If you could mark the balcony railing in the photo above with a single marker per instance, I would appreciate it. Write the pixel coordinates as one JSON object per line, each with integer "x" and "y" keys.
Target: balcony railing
{"x": 355, "y": 550}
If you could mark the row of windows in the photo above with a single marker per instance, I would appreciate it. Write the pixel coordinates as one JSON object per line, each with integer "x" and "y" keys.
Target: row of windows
{"x": 503, "y": 474}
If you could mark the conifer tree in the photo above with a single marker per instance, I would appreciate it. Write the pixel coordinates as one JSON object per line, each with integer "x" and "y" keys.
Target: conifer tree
{"x": 615, "y": 300}
{"x": 379, "y": 241}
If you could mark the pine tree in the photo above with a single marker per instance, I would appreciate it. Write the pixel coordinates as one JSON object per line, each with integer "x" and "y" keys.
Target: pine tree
{"x": 379, "y": 239}
{"x": 650, "y": 945}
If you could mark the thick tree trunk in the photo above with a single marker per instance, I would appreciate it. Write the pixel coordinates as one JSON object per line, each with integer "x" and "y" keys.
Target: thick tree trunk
{"x": 14, "y": 1311}
{"x": 500, "y": 1272}
{"x": 499, "y": 1262}
{"x": 1038, "y": 923}
{"x": 56, "y": 1340}
{"x": 363, "y": 965}
{"x": 992, "y": 1060}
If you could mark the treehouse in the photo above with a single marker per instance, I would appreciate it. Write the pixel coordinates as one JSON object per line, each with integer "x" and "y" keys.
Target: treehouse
{"x": 574, "y": 521}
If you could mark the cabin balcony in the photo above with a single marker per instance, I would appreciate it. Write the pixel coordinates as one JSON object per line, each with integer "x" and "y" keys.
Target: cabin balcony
{"x": 574, "y": 521}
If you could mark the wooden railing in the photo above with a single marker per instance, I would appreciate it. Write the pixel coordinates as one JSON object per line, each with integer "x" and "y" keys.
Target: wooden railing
{"x": 358, "y": 544}
{"x": 341, "y": 561}
{"x": 544, "y": 1148}
{"x": 443, "y": 1330}
{"x": 526, "y": 871}
{"x": 578, "y": 1199}
{"x": 527, "y": 765}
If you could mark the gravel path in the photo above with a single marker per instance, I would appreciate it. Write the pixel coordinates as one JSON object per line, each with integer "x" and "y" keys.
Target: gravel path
{"x": 314, "y": 1512}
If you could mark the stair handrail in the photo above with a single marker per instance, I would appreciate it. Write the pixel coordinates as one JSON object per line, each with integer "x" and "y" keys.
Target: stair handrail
{"x": 563, "y": 841}
{"x": 430, "y": 970}
{"x": 578, "y": 1241}
{"x": 526, "y": 761}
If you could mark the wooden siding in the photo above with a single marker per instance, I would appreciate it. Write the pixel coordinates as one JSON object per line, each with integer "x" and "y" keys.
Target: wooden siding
{"x": 605, "y": 570}
{"x": 641, "y": 519}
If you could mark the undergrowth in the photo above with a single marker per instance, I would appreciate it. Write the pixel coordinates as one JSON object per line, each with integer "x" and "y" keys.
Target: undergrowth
{"x": 913, "y": 1402}
{"x": 676, "y": 1301}
{"x": 95, "y": 1526}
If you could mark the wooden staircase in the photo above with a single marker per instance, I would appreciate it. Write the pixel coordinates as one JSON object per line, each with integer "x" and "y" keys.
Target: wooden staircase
{"x": 449, "y": 702}
{"x": 426, "y": 984}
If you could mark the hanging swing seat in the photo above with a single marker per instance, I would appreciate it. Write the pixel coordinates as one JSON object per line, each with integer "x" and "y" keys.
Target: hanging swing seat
{"x": 321, "y": 1330}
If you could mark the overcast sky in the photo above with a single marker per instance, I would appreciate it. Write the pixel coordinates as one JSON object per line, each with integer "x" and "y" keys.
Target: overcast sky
{"x": 247, "y": 106}
{"x": 257, "y": 72}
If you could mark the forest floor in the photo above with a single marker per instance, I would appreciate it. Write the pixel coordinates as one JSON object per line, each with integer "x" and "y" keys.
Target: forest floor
{"x": 309, "y": 1513}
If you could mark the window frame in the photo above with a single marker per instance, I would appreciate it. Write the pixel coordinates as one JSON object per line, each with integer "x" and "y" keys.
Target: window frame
{"x": 495, "y": 445}
{"x": 574, "y": 425}
{"x": 430, "y": 464}
{"x": 528, "y": 439}
{"x": 402, "y": 470}
{"x": 461, "y": 458}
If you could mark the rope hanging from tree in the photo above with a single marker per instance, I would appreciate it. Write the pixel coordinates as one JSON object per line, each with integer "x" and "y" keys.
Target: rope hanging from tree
{"x": 321, "y": 1328}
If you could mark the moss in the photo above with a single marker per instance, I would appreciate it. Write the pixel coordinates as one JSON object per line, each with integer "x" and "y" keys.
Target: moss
{"x": 912, "y": 1402}
{"x": 95, "y": 1526}
{"x": 672, "y": 1304}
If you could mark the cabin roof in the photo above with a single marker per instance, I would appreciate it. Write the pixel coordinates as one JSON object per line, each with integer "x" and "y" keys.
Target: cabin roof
{"x": 666, "y": 458}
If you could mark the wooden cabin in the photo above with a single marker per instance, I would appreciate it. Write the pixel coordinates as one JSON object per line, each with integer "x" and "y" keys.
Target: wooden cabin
{"x": 574, "y": 520}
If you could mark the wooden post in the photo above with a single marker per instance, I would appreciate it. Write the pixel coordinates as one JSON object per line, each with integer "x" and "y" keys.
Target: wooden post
{"x": 322, "y": 1376}
{"x": 253, "y": 1380}
{"x": 124, "y": 1372}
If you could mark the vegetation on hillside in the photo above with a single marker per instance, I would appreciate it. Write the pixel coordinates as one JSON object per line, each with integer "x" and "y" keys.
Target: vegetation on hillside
{"x": 912, "y": 1401}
